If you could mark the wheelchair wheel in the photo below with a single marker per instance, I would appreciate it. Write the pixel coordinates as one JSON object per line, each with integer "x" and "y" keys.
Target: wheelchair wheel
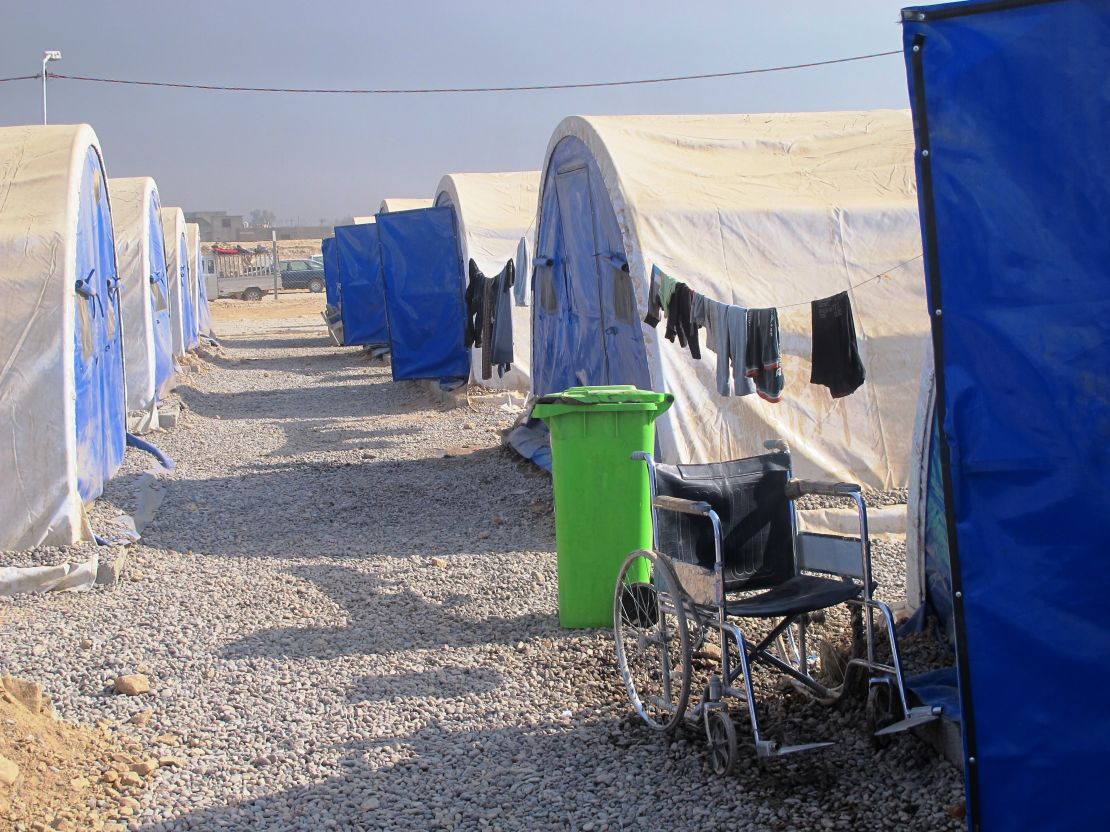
{"x": 720, "y": 734}
{"x": 652, "y": 641}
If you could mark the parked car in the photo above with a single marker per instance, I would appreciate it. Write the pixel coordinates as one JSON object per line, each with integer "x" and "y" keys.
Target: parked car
{"x": 302, "y": 274}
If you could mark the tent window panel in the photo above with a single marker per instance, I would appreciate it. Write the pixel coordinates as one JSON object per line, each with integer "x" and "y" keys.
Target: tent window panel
{"x": 158, "y": 293}
{"x": 85, "y": 327}
{"x": 624, "y": 299}
{"x": 545, "y": 280}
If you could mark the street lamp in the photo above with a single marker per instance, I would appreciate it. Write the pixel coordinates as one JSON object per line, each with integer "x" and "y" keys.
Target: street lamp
{"x": 47, "y": 57}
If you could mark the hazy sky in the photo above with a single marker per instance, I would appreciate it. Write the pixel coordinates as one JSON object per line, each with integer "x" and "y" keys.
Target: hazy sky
{"x": 328, "y": 156}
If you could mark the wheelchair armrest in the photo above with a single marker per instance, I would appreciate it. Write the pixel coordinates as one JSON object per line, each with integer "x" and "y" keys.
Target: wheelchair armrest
{"x": 682, "y": 506}
{"x": 799, "y": 488}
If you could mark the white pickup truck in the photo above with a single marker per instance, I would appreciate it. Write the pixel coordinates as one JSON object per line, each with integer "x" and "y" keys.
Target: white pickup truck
{"x": 244, "y": 273}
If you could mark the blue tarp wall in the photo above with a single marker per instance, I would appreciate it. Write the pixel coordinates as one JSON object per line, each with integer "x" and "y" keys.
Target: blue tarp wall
{"x": 159, "y": 302}
{"x": 101, "y": 411}
{"x": 424, "y": 291}
{"x": 362, "y": 303}
{"x": 188, "y": 310}
{"x": 575, "y": 339}
{"x": 1012, "y": 106}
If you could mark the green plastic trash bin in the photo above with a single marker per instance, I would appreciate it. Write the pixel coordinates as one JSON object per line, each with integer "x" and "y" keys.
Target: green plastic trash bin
{"x": 602, "y": 500}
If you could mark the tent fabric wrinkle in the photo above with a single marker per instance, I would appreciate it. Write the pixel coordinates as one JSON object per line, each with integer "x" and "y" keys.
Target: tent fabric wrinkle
{"x": 767, "y": 210}
{"x": 495, "y": 217}
{"x": 177, "y": 276}
{"x": 61, "y": 349}
{"x": 141, "y": 258}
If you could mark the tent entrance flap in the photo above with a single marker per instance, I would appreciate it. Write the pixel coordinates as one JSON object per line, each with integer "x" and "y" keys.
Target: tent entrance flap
{"x": 361, "y": 299}
{"x": 423, "y": 280}
{"x": 1013, "y": 212}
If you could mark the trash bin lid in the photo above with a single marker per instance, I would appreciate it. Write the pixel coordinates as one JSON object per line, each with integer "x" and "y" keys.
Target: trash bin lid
{"x": 605, "y": 397}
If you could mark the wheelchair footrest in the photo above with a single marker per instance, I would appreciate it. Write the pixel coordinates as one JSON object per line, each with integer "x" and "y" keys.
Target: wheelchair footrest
{"x": 770, "y": 748}
{"x": 916, "y": 717}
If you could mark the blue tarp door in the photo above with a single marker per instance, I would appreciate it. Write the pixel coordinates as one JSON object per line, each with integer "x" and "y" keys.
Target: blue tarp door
{"x": 360, "y": 273}
{"x": 424, "y": 290}
{"x": 1012, "y": 112}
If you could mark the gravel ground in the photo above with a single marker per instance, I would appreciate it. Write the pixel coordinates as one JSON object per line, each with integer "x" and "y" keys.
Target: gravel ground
{"x": 346, "y": 608}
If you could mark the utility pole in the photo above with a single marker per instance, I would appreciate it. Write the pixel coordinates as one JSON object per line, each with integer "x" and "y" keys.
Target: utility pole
{"x": 273, "y": 244}
{"x": 47, "y": 57}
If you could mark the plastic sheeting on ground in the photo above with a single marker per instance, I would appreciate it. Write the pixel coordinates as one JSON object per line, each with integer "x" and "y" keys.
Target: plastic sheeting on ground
{"x": 61, "y": 353}
{"x": 1011, "y": 104}
{"x": 361, "y": 296}
{"x": 141, "y": 258}
{"x": 756, "y": 210}
{"x": 493, "y": 211}
{"x": 423, "y": 281}
{"x": 177, "y": 275}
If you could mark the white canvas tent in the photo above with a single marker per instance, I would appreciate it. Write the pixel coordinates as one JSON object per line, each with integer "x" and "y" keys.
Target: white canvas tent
{"x": 61, "y": 363}
{"x": 197, "y": 283}
{"x": 177, "y": 275}
{"x": 493, "y": 212}
{"x": 141, "y": 257}
{"x": 755, "y": 210}
{"x": 393, "y": 204}
{"x": 364, "y": 220}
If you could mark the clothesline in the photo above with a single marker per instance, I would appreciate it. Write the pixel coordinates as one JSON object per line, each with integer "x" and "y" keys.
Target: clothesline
{"x": 873, "y": 277}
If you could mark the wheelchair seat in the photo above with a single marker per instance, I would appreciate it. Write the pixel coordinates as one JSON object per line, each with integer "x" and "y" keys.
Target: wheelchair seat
{"x": 802, "y": 593}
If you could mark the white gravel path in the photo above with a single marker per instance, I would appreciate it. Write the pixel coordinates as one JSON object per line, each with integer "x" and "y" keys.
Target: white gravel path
{"x": 346, "y": 607}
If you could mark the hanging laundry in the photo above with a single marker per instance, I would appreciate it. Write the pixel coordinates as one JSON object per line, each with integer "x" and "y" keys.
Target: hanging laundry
{"x": 501, "y": 339}
{"x": 762, "y": 359}
{"x": 660, "y": 290}
{"x": 836, "y": 361}
{"x": 679, "y": 321}
{"x": 726, "y": 333}
{"x": 475, "y": 289}
{"x": 523, "y": 267}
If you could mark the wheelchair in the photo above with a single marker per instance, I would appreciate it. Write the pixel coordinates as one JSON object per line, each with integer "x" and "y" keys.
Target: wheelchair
{"x": 728, "y": 559}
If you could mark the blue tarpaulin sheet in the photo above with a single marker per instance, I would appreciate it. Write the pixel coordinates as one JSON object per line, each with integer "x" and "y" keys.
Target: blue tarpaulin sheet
{"x": 100, "y": 408}
{"x": 160, "y": 302}
{"x": 424, "y": 288}
{"x": 360, "y": 272}
{"x": 1012, "y": 111}
{"x": 579, "y": 337}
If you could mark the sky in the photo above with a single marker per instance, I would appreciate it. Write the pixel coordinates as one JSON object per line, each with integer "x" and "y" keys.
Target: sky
{"x": 322, "y": 157}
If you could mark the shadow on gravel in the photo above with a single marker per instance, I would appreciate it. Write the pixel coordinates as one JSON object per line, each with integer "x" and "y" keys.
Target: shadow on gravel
{"x": 385, "y": 617}
{"x": 374, "y": 507}
{"x": 442, "y": 684}
{"x": 330, "y": 435}
{"x": 608, "y": 771}
{"x": 327, "y": 400}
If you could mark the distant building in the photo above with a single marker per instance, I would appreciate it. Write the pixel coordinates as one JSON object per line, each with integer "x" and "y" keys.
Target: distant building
{"x": 218, "y": 226}
{"x": 222, "y": 227}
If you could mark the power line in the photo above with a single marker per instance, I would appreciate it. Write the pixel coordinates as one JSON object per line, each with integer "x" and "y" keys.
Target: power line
{"x": 428, "y": 90}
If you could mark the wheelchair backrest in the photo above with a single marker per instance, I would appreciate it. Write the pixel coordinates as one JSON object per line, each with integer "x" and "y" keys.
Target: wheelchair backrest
{"x": 757, "y": 528}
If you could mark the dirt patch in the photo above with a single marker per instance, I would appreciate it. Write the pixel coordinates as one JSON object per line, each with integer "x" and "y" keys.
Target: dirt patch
{"x": 296, "y": 305}
{"x": 53, "y": 774}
